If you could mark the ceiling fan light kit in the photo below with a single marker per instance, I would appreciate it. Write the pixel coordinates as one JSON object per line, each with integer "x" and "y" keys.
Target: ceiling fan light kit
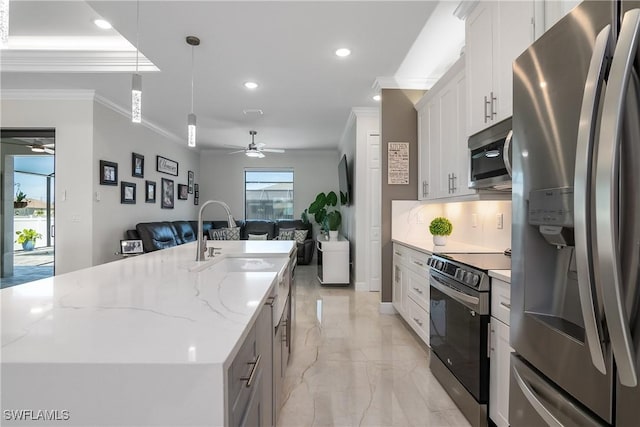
{"x": 191, "y": 118}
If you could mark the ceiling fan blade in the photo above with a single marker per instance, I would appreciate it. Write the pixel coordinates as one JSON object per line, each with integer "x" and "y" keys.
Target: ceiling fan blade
{"x": 236, "y": 152}
{"x": 260, "y": 145}
{"x": 273, "y": 150}
{"x": 234, "y": 146}
{"x": 49, "y": 145}
{"x": 49, "y": 150}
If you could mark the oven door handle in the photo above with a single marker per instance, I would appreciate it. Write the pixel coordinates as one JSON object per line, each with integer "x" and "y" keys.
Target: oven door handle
{"x": 453, "y": 293}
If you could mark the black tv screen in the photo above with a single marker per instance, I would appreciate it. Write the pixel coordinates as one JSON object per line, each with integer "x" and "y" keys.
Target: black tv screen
{"x": 343, "y": 181}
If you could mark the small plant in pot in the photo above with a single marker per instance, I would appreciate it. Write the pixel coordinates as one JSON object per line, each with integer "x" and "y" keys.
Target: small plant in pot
{"x": 20, "y": 201}
{"x": 27, "y": 238}
{"x": 440, "y": 228}
{"x": 326, "y": 213}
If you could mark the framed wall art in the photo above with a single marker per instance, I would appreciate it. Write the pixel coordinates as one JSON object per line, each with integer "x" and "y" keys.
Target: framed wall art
{"x": 167, "y": 195}
{"x": 137, "y": 165}
{"x": 167, "y": 166}
{"x": 150, "y": 191}
{"x": 183, "y": 192}
{"x": 128, "y": 192}
{"x": 108, "y": 173}
{"x": 191, "y": 177}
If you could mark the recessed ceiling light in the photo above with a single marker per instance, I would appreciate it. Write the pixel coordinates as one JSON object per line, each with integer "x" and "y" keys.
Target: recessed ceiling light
{"x": 377, "y": 97}
{"x": 101, "y": 23}
{"x": 250, "y": 85}
{"x": 342, "y": 52}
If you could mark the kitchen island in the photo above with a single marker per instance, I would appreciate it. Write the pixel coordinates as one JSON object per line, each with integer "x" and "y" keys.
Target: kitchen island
{"x": 148, "y": 340}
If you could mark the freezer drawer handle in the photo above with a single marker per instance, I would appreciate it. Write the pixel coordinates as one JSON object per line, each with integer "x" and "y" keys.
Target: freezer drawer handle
{"x": 530, "y": 394}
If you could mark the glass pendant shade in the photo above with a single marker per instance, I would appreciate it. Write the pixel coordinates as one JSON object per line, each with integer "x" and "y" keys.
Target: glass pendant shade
{"x": 4, "y": 21}
{"x": 136, "y": 98}
{"x": 191, "y": 130}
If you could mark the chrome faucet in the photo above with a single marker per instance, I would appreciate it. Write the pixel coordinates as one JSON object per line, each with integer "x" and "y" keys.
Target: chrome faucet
{"x": 201, "y": 248}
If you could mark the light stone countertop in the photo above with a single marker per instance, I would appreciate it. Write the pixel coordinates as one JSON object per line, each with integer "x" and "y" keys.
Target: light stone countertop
{"x": 504, "y": 275}
{"x": 426, "y": 245}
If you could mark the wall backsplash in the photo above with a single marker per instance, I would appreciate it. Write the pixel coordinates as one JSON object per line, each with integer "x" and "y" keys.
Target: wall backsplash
{"x": 411, "y": 219}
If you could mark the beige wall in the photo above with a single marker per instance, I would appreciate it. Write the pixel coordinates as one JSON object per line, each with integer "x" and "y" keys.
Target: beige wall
{"x": 399, "y": 123}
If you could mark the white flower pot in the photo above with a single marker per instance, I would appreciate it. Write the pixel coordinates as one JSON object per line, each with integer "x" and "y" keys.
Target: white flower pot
{"x": 333, "y": 234}
{"x": 439, "y": 240}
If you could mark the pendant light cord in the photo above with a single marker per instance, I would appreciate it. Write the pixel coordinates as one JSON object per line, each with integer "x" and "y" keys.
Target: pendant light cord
{"x": 192, "y": 55}
{"x": 137, "y": 32}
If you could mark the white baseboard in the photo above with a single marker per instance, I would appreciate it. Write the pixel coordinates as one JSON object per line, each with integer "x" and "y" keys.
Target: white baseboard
{"x": 387, "y": 308}
{"x": 361, "y": 286}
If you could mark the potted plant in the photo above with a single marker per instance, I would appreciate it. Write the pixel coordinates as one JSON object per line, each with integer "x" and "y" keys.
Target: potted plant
{"x": 21, "y": 200}
{"x": 440, "y": 228}
{"x": 326, "y": 213}
{"x": 27, "y": 238}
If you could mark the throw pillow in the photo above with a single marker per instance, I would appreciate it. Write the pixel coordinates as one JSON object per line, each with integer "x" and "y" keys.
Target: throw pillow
{"x": 233, "y": 233}
{"x": 286, "y": 234}
{"x": 258, "y": 236}
{"x": 218, "y": 234}
{"x": 301, "y": 235}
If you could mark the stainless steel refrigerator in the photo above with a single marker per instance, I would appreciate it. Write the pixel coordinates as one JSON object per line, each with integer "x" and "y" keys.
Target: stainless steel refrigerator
{"x": 576, "y": 222}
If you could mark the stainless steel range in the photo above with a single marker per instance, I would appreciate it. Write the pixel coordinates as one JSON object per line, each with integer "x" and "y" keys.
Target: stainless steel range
{"x": 460, "y": 301}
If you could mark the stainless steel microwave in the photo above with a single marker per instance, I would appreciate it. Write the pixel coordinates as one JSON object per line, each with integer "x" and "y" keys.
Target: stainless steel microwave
{"x": 490, "y": 157}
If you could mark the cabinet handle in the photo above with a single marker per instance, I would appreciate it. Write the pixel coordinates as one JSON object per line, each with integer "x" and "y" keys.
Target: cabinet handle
{"x": 418, "y": 290}
{"x": 270, "y": 301}
{"x": 505, "y": 305}
{"x": 418, "y": 263}
{"x": 249, "y": 379}
{"x": 427, "y": 187}
{"x": 449, "y": 183}
{"x": 418, "y": 321}
{"x": 493, "y": 101}
{"x": 489, "y": 340}
{"x": 397, "y": 253}
{"x": 486, "y": 104}
{"x": 454, "y": 187}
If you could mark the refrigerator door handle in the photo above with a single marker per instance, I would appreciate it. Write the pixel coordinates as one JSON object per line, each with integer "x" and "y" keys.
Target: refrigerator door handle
{"x": 582, "y": 197}
{"x": 607, "y": 197}
{"x": 534, "y": 401}
{"x": 505, "y": 152}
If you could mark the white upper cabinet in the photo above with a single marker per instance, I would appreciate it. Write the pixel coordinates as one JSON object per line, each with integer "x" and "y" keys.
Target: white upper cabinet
{"x": 442, "y": 145}
{"x": 496, "y": 34}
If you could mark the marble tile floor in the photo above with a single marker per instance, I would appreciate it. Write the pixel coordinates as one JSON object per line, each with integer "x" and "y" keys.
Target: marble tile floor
{"x": 352, "y": 366}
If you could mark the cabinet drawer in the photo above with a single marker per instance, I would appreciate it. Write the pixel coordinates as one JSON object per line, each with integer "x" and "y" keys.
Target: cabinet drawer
{"x": 241, "y": 369}
{"x": 418, "y": 318}
{"x": 418, "y": 289}
{"x": 500, "y": 300}
{"x": 401, "y": 254}
{"x": 419, "y": 262}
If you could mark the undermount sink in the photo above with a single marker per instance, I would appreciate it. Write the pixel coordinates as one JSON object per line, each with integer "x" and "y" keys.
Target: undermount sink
{"x": 235, "y": 264}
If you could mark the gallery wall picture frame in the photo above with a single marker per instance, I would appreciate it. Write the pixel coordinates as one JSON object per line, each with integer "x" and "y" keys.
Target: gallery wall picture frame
{"x": 168, "y": 166}
{"x": 137, "y": 165}
{"x": 191, "y": 177}
{"x": 130, "y": 247}
{"x": 168, "y": 193}
{"x": 108, "y": 173}
{"x": 128, "y": 192}
{"x": 183, "y": 192}
{"x": 150, "y": 191}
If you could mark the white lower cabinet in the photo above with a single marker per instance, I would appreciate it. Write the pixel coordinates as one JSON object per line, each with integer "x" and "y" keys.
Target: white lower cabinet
{"x": 411, "y": 288}
{"x": 500, "y": 354}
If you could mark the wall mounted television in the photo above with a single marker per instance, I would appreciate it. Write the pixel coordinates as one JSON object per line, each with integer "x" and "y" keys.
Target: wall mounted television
{"x": 344, "y": 182}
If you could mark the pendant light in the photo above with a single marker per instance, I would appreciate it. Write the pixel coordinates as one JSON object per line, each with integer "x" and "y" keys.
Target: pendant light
{"x": 136, "y": 79}
{"x": 4, "y": 21}
{"x": 191, "y": 118}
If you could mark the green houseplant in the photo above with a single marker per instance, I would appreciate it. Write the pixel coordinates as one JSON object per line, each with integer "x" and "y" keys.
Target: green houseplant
{"x": 20, "y": 201}
{"x": 27, "y": 238}
{"x": 440, "y": 228}
{"x": 326, "y": 212}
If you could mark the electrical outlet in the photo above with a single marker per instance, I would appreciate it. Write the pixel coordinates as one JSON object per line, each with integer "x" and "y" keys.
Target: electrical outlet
{"x": 499, "y": 221}
{"x": 97, "y": 196}
{"x": 420, "y": 218}
{"x": 474, "y": 220}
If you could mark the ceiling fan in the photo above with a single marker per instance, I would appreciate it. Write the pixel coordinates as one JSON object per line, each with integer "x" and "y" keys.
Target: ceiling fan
{"x": 36, "y": 144}
{"x": 256, "y": 150}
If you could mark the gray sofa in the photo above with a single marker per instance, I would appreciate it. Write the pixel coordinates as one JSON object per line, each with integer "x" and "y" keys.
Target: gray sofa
{"x": 165, "y": 234}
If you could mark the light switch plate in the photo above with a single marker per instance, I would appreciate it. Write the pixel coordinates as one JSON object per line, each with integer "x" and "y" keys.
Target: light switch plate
{"x": 499, "y": 221}
{"x": 474, "y": 220}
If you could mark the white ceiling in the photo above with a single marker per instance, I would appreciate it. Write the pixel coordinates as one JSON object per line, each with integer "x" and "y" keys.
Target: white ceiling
{"x": 306, "y": 92}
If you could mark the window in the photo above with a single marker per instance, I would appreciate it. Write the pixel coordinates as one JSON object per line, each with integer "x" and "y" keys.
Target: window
{"x": 268, "y": 194}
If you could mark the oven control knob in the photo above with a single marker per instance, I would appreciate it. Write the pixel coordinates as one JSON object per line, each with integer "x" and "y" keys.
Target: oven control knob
{"x": 475, "y": 279}
{"x": 440, "y": 265}
{"x": 430, "y": 262}
{"x": 459, "y": 274}
{"x": 468, "y": 277}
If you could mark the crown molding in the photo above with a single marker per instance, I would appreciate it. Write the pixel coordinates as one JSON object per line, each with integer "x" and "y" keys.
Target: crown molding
{"x": 146, "y": 123}
{"x": 353, "y": 116}
{"x": 65, "y": 61}
{"x": 81, "y": 95}
{"x": 48, "y": 95}
{"x": 418, "y": 83}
